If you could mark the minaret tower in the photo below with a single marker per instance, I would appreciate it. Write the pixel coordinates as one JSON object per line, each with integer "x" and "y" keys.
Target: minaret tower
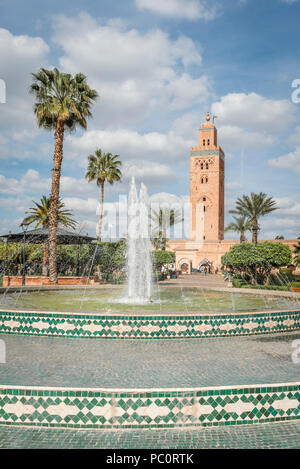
{"x": 207, "y": 186}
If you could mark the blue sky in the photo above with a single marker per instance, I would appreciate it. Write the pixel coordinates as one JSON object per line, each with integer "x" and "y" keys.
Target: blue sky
{"x": 158, "y": 67}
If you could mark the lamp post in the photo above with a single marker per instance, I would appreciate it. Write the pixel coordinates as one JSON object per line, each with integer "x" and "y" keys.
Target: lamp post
{"x": 24, "y": 228}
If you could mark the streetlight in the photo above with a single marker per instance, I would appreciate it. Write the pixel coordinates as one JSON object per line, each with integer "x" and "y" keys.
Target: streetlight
{"x": 24, "y": 228}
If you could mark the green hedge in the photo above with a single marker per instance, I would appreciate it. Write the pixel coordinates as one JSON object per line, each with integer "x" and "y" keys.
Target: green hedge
{"x": 267, "y": 287}
{"x": 163, "y": 257}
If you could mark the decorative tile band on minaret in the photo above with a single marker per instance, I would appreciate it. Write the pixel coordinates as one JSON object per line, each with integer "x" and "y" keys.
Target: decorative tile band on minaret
{"x": 207, "y": 186}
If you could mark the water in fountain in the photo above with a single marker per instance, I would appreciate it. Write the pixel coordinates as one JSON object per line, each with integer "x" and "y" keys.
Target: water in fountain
{"x": 139, "y": 265}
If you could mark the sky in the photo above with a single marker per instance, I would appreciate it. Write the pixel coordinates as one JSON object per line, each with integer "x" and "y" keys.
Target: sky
{"x": 158, "y": 67}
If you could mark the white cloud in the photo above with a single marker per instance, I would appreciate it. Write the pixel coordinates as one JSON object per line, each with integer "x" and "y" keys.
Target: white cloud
{"x": 251, "y": 120}
{"x": 129, "y": 145}
{"x": 149, "y": 173}
{"x": 254, "y": 112}
{"x": 32, "y": 183}
{"x": 237, "y": 138}
{"x": 135, "y": 73}
{"x": 19, "y": 57}
{"x": 289, "y": 161}
{"x": 183, "y": 9}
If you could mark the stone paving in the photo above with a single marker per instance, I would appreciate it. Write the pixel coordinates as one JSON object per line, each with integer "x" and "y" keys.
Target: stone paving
{"x": 263, "y": 436}
{"x": 132, "y": 364}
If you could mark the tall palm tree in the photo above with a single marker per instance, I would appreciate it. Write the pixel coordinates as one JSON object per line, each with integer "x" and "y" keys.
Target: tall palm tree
{"x": 39, "y": 214}
{"x": 254, "y": 207}
{"x": 164, "y": 219}
{"x": 63, "y": 102}
{"x": 103, "y": 167}
{"x": 239, "y": 225}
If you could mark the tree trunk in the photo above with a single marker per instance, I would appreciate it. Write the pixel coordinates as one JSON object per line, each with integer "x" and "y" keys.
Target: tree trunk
{"x": 45, "y": 258}
{"x": 242, "y": 237}
{"x": 254, "y": 232}
{"x": 54, "y": 199}
{"x": 101, "y": 212}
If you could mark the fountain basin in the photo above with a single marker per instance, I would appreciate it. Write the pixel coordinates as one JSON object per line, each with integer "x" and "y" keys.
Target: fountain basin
{"x": 113, "y": 300}
{"x": 174, "y": 313}
{"x": 136, "y": 384}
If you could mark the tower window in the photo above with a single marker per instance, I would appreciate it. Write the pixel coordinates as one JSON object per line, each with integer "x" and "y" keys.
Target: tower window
{"x": 202, "y": 166}
{"x": 208, "y": 142}
{"x": 206, "y": 179}
{"x": 202, "y": 180}
{"x": 204, "y": 143}
{"x": 204, "y": 199}
{"x": 207, "y": 166}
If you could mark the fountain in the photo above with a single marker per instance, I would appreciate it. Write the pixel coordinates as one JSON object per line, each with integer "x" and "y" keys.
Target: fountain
{"x": 117, "y": 383}
{"x": 139, "y": 264}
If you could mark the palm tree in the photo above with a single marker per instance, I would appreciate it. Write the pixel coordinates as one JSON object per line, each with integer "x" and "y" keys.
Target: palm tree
{"x": 63, "y": 102}
{"x": 103, "y": 167}
{"x": 253, "y": 207}
{"x": 39, "y": 214}
{"x": 164, "y": 219}
{"x": 240, "y": 225}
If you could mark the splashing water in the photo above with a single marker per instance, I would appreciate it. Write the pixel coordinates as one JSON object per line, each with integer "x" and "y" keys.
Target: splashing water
{"x": 139, "y": 265}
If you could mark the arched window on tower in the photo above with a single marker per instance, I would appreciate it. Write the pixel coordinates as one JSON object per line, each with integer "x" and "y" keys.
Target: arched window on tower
{"x": 208, "y": 142}
{"x": 202, "y": 166}
{"x": 202, "y": 180}
{"x": 206, "y": 180}
{"x": 207, "y": 166}
{"x": 203, "y": 142}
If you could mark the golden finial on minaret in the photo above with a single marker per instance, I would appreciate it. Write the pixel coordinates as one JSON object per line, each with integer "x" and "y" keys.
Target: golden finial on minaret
{"x": 207, "y": 116}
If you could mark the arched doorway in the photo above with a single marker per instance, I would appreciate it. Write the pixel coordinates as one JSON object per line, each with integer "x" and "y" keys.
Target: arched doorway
{"x": 206, "y": 265}
{"x": 185, "y": 266}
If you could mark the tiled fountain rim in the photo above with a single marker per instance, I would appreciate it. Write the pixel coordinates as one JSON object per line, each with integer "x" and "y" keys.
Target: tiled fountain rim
{"x": 152, "y": 326}
{"x": 148, "y": 408}
{"x": 147, "y": 316}
{"x": 200, "y": 389}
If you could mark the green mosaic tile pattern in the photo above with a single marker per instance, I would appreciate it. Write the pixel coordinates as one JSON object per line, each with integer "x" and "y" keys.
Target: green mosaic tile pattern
{"x": 145, "y": 327}
{"x": 275, "y": 435}
{"x": 76, "y": 408}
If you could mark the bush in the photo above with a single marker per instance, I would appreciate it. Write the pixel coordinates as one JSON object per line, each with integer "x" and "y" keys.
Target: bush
{"x": 160, "y": 258}
{"x": 296, "y": 284}
{"x": 266, "y": 287}
{"x": 257, "y": 260}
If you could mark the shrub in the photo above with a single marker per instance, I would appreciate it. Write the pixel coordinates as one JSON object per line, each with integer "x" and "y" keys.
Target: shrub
{"x": 257, "y": 260}
{"x": 160, "y": 258}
